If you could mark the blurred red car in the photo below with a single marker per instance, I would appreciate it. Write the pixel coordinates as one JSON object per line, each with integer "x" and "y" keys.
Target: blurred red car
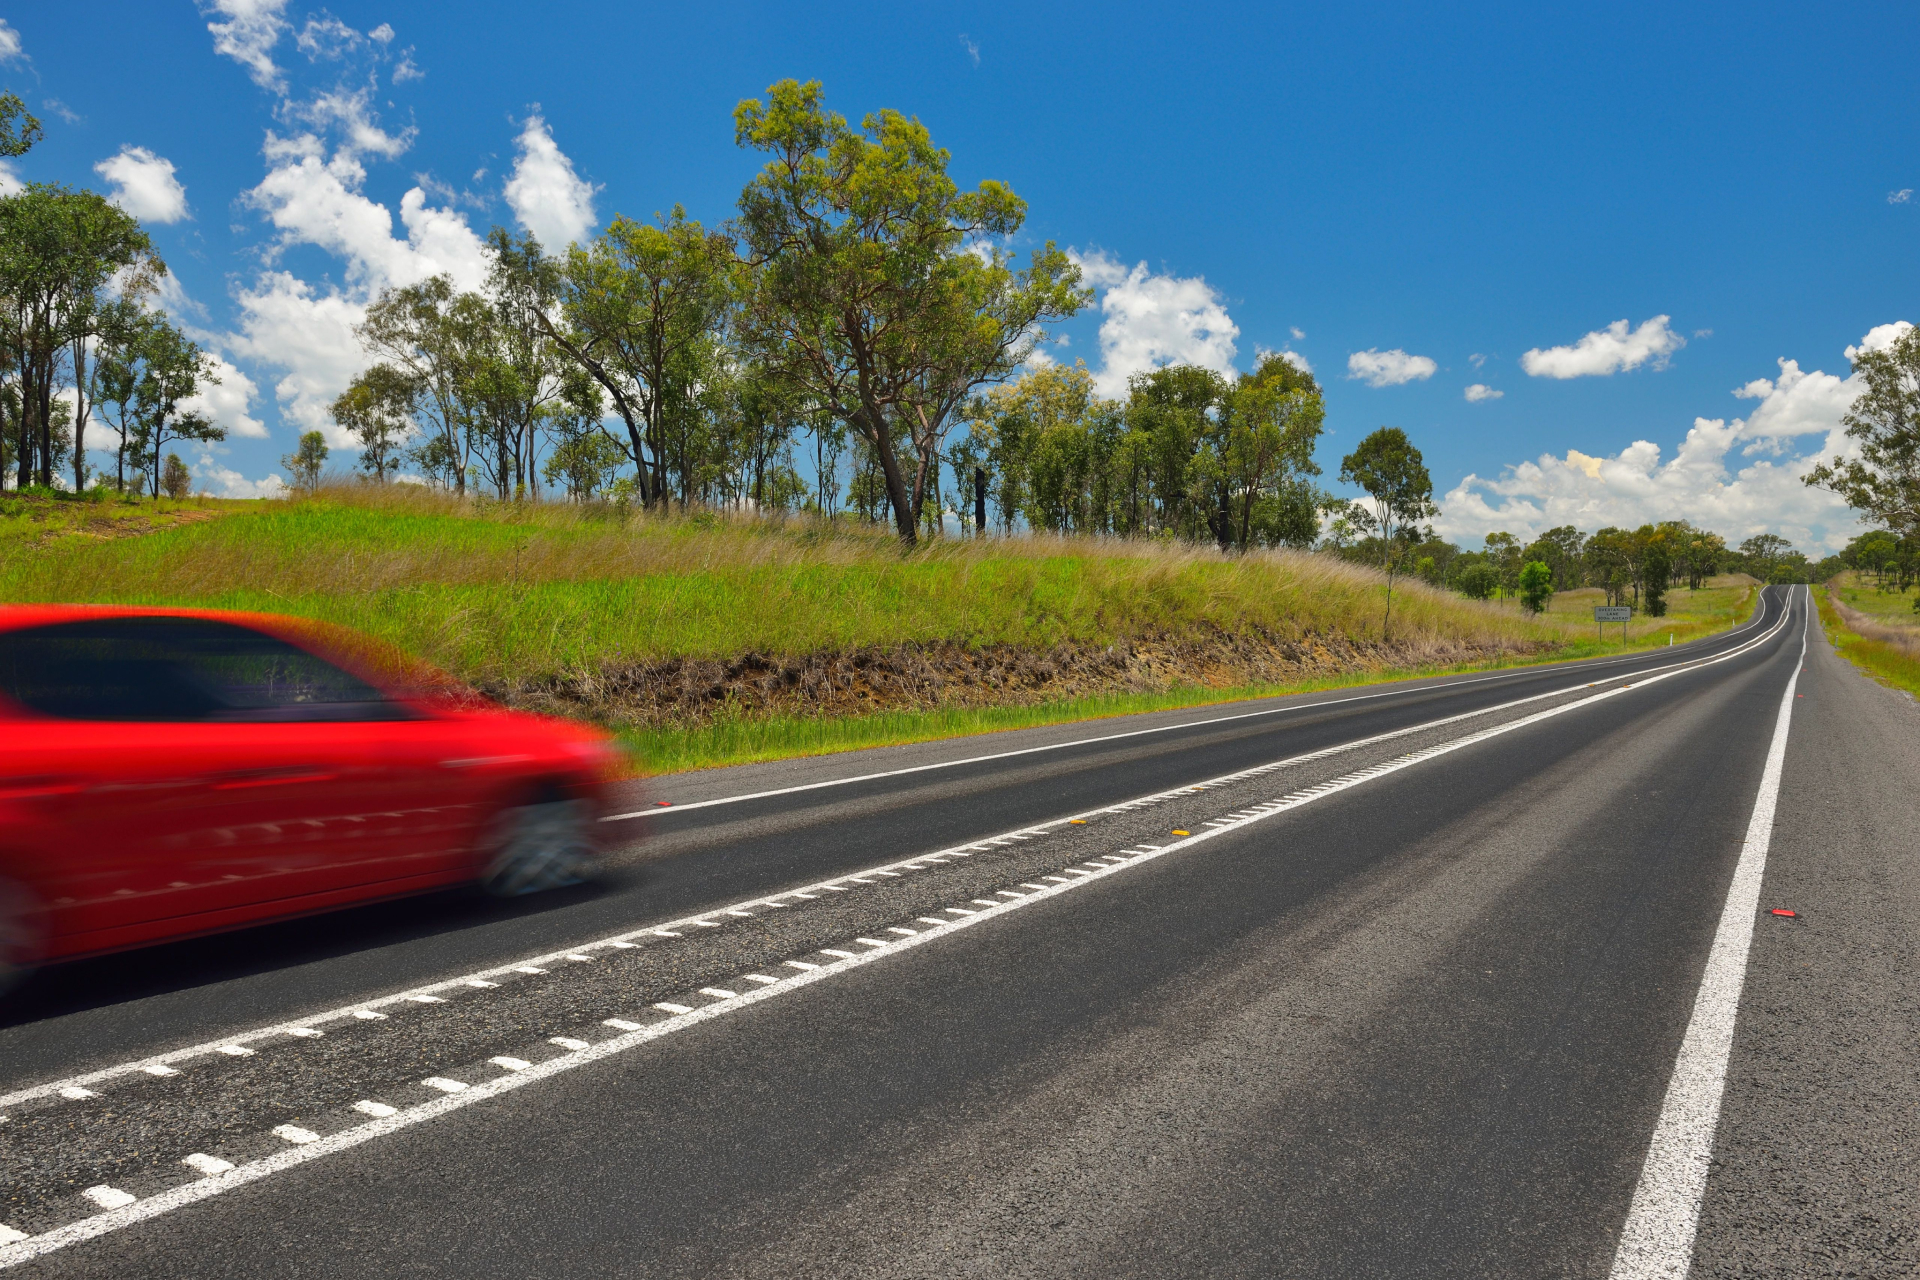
{"x": 165, "y": 773}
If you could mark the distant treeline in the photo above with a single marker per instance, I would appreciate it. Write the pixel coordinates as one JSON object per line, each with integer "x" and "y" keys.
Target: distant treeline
{"x": 1635, "y": 567}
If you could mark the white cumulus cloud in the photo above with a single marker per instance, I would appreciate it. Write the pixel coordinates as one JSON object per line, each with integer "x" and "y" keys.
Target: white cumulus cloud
{"x": 1609, "y": 350}
{"x": 1153, "y": 320}
{"x": 547, "y": 196}
{"x": 352, "y": 114}
{"x": 1903, "y": 196}
{"x": 225, "y": 402}
{"x": 1481, "y": 391}
{"x": 11, "y": 48}
{"x": 251, "y": 30}
{"x": 10, "y": 184}
{"x": 1293, "y": 358}
{"x": 224, "y": 482}
{"x": 1708, "y": 480}
{"x": 288, "y": 323}
{"x": 1389, "y": 368}
{"x": 144, "y": 184}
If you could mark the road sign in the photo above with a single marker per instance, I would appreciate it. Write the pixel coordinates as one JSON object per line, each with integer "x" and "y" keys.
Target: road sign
{"x": 1612, "y": 613}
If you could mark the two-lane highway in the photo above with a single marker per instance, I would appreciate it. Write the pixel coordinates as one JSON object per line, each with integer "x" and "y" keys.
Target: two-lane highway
{"x": 1390, "y": 981}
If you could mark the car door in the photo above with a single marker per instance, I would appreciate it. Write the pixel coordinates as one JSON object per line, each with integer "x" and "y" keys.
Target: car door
{"x": 214, "y": 770}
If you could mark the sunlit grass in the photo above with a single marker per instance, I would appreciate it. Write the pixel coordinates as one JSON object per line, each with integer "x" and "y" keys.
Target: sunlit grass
{"x": 503, "y": 593}
{"x": 489, "y": 590}
{"x": 1890, "y": 655}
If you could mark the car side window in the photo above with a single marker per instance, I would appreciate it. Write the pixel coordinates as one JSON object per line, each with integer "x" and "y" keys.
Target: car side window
{"x": 179, "y": 670}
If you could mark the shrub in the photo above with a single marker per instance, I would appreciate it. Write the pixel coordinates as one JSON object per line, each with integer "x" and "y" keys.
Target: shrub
{"x": 175, "y": 480}
{"x": 1536, "y": 586}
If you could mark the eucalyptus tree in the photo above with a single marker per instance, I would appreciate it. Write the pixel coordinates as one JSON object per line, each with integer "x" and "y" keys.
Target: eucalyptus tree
{"x": 879, "y": 287}
{"x": 377, "y": 409}
{"x": 1399, "y": 496}
{"x": 431, "y": 333}
{"x": 64, "y": 256}
{"x": 641, "y": 310}
{"x": 172, "y": 368}
{"x": 18, "y": 129}
{"x": 1267, "y": 428}
{"x": 1883, "y": 482}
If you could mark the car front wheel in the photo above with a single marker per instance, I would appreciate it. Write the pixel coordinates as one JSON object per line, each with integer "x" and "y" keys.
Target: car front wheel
{"x": 539, "y": 846}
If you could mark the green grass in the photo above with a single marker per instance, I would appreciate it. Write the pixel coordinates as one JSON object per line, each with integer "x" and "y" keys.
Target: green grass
{"x": 486, "y": 590}
{"x": 499, "y": 593}
{"x": 1887, "y": 656}
{"x": 1893, "y": 608}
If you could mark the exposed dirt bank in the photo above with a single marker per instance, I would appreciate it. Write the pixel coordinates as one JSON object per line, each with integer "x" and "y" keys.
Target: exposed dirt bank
{"x": 919, "y": 677}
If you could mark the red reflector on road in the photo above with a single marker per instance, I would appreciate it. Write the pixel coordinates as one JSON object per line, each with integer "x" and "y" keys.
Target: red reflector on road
{"x": 1782, "y": 911}
{"x": 662, "y": 804}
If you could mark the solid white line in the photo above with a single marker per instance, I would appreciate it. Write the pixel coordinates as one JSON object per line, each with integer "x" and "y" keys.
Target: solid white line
{"x": 1657, "y": 1241}
{"x": 1591, "y": 664}
{"x": 467, "y": 1095}
{"x": 366, "y": 1009}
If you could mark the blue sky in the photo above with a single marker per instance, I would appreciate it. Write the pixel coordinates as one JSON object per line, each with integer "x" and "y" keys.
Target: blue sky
{"x": 1411, "y": 200}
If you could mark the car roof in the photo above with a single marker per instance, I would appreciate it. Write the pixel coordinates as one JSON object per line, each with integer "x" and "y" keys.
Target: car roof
{"x": 15, "y": 616}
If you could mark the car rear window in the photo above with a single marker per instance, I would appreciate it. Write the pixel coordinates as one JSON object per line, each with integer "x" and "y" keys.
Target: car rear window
{"x": 178, "y": 669}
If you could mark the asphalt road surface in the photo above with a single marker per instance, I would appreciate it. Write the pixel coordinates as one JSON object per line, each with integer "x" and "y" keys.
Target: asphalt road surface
{"x": 1468, "y": 976}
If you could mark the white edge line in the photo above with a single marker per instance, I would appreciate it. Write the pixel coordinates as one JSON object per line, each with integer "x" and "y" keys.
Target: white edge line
{"x": 1584, "y": 665}
{"x": 1656, "y": 1242}
{"x": 205, "y": 1188}
{"x": 516, "y": 966}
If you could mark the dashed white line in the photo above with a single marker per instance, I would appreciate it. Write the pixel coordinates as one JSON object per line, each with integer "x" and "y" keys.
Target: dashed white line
{"x": 445, "y": 1085}
{"x": 109, "y": 1197}
{"x": 293, "y": 1133}
{"x": 206, "y": 1164}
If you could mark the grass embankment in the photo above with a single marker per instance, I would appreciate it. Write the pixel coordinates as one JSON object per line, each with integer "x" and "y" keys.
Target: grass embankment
{"x": 1875, "y": 630}
{"x": 1720, "y": 603}
{"x": 707, "y": 640}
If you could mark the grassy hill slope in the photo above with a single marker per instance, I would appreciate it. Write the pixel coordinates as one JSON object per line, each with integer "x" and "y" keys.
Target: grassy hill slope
{"x": 708, "y": 639}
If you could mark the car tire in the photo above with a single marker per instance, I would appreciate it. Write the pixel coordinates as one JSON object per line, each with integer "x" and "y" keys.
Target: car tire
{"x": 538, "y": 847}
{"x": 22, "y": 935}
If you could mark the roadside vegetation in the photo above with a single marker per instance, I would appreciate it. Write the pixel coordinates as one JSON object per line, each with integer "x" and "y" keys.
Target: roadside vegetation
{"x": 708, "y": 638}
{"x": 1874, "y": 627}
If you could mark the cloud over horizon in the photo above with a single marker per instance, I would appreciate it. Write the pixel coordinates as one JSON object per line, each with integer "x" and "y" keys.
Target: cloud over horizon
{"x": 1705, "y": 481}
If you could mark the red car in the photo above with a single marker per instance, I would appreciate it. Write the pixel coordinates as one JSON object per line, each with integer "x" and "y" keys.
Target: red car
{"x": 170, "y": 772}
